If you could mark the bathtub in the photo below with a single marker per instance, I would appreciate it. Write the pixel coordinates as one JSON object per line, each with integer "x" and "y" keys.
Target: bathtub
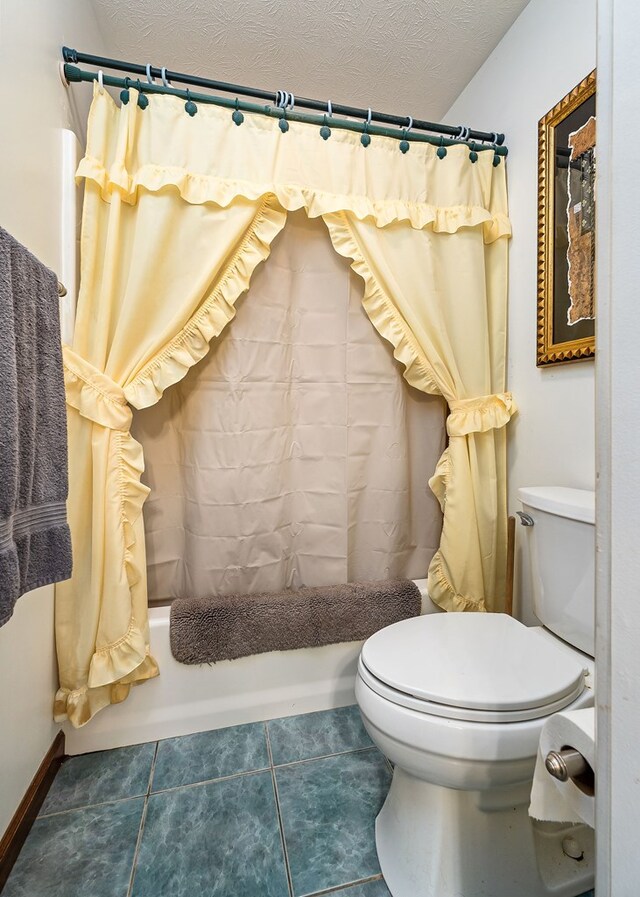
{"x": 186, "y": 699}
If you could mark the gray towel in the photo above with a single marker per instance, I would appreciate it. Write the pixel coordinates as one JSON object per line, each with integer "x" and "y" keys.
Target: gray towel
{"x": 225, "y": 627}
{"x": 35, "y": 543}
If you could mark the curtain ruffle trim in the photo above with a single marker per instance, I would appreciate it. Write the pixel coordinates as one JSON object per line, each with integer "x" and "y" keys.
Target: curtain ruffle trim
{"x": 480, "y": 414}
{"x": 192, "y": 343}
{"x": 80, "y": 705}
{"x": 439, "y": 481}
{"x": 381, "y": 311}
{"x": 133, "y": 494}
{"x": 198, "y": 189}
{"x": 442, "y": 592}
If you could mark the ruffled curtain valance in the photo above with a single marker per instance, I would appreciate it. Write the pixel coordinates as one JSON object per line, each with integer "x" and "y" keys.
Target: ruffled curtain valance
{"x": 178, "y": 213}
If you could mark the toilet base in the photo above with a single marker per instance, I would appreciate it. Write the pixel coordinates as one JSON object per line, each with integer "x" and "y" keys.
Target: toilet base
{"x": 440, "y": 842}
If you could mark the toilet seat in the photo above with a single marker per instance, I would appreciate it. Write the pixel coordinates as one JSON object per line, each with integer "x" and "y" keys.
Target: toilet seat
{"x": 474, "y": 667}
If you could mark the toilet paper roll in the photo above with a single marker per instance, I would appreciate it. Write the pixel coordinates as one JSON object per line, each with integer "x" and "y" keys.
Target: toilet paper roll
{"x": 551, "y": 799}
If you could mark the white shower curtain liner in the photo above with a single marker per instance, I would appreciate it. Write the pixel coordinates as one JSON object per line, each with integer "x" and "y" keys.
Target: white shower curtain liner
{"x": 295, "y": 454}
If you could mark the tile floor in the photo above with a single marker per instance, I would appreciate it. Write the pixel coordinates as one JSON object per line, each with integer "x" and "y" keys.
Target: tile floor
{"x": 278, "y": 809}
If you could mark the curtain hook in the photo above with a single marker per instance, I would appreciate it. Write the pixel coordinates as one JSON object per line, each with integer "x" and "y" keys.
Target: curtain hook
{"x": 464, "y": 132}
{"x": 101, "y": 80}
{"x": 329, "y": 108}
{"x": 163, "y": 75}
{"x": 291, "y": 101}
{"x": 325, "y": 130}
{"x": 143, "y": 101}
{"x": 150, "y": 77}
{"x": 190, "y": 106}
{"x": 124, "y": 93}
{"x": 441, "y": 152}
{"x": 404, "y": 144}
{"x": 473, "y": 155}
{"x": 365, "y": 140}
{"x": 283, "y": 124}
{"x": 496, "y": 155}
{"x": 237, "y": 116}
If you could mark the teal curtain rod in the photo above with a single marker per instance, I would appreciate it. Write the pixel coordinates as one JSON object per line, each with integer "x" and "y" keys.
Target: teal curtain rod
{"x": 74, "y": 74}
{"x": 135, "y": 69}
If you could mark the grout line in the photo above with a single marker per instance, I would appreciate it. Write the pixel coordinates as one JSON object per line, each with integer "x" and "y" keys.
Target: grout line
{"x": 101, "y": 803}
{"x": 268, "y": 741}
{"x": 153, "y": 768}
{"x": 327, "y": 756}
{"x": 283, "y": 841}
{"x": 235, "y": 775}
{"x": 345, "y": 887}
{"x": 136, "y": 852}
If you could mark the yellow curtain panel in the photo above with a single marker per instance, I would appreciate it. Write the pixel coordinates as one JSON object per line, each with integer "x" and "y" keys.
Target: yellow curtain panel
{"x": 178, "y": 212}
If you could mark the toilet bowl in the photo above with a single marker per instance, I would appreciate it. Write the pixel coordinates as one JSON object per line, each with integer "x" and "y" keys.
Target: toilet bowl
{"x": 457, "y": 702}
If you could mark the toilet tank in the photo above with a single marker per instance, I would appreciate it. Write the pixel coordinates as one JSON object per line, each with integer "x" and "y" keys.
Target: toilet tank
{"x": 561, "y": 544}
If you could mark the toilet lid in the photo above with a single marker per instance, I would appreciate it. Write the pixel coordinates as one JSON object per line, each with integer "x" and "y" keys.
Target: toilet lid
{"x": 487, "y": 662}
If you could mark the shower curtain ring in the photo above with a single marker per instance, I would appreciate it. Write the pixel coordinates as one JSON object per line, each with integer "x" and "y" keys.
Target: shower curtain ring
{"x": 163, "y": 75}
{"x": 237, "y": 117}
{"x": 101, "y": 80}
{"x": 143, "y": 101}
{"x": 150, "y": 77}
{"x": 190, "y": 106}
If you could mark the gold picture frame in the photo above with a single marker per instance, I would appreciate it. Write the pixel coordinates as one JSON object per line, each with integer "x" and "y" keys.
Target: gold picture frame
{"x": 566, "y": 228}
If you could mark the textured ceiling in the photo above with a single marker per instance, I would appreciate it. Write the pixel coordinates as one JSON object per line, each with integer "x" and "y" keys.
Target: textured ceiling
{"x": 410, "y": 58}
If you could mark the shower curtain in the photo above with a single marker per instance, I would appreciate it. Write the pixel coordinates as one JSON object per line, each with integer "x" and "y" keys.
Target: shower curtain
{"x": 179, "y": 210}
{"x": 295, "y": 453}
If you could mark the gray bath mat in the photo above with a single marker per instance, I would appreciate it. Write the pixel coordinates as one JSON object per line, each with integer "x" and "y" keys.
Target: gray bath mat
{"x": 223, "y": 628}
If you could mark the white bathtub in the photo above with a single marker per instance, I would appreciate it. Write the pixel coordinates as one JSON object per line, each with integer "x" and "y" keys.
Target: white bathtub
{"x": 186, "y": 699}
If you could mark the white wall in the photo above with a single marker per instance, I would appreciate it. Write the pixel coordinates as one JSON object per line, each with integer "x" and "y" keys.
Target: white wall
{"x": 547, "y": 51}
{"x": 618, "y": 496}
{"x": 34, "y": 107}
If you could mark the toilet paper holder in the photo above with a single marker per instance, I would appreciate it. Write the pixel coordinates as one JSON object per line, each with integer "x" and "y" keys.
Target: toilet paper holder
{"x": 569, "y": 763}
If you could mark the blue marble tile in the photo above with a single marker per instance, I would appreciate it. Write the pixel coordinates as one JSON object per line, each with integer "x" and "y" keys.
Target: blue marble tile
{"x": 317, "y": 734}
{"x": 328, "y": 810}
{"x": 210, "y": 755}
{"x": 81, "y": 853}
{"x": 369, "y": 889}
{"x": 104, "y": 776}
{"x": 216, "y": 840}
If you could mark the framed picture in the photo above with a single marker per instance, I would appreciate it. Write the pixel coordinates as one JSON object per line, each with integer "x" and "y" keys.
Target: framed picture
{"x": 566, "y": 227}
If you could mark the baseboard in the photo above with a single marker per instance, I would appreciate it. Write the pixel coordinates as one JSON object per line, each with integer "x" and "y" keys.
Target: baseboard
{"x": 26, "y": 814}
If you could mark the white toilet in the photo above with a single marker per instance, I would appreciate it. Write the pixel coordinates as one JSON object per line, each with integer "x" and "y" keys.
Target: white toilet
{"x": 457, "y": 702}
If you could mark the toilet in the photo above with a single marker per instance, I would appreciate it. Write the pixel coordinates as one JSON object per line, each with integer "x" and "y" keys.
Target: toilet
{"x": 457, "y": 702}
